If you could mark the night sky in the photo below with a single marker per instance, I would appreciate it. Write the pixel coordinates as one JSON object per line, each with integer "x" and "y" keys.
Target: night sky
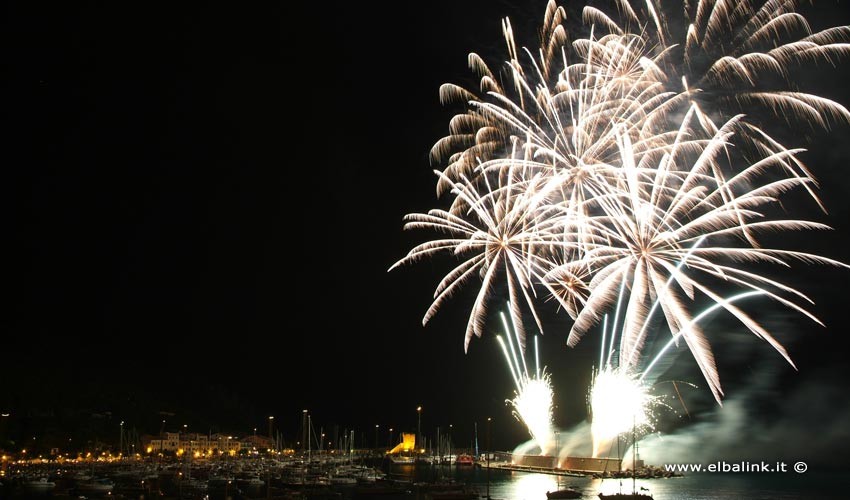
{"x": 200, "y": 205}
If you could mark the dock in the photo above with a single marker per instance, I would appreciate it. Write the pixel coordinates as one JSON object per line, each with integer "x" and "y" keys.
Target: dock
{"x": 532, "y": 468}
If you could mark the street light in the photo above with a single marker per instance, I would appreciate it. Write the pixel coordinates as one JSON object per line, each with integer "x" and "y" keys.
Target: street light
{"x": 271, "y": 436}
{"x": 450, "y": 444}
{"x": 418, "y": 426}
{"x": 488, "y": 458}
{"x": 376, "y": 437}
{"x": 3, "y": 424}
{"x": 304, "y": 435}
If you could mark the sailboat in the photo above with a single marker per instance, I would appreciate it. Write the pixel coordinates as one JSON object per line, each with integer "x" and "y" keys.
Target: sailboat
{"x": 563, "y": 493}
{"x": 635, "y": 494}
{"x": 566, "y": 492}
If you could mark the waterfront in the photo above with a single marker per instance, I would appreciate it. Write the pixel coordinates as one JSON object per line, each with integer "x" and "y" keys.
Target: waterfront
{"x": 418, "y": 482}
{"x": 514, "y": 485}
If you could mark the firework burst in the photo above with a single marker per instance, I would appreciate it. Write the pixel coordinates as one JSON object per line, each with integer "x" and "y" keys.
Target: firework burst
{"x": 724, "y": 58}
{"x": 500, "y": 235}
{"x": 611, "y": 165}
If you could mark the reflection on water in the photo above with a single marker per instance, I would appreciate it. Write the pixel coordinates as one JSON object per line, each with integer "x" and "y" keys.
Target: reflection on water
{"x": 509, "y": 485}
{"x": 523, "y": 486}
{"x": 528, "y": 486}
{"x": 513, "y": 485}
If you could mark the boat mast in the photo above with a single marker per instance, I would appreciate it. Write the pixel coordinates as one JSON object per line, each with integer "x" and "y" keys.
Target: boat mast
{"x": 558, "y": 456}
{"x": 634, "y": 455}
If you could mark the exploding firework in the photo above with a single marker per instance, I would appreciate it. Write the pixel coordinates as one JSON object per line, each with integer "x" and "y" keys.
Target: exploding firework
{"x": 724, "y": 58}
{"x": 608, "y": 167}
{"x": 651, "y": 229}
{"x": 498, "y": 236}
{"x": 619, "y": 396}
{"x": 532, "y": 402}
{"x": 620, "y": 402}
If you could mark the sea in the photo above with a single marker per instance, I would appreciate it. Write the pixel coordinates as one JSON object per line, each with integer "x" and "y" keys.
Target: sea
{"x": 520, "y": 485}
{"x": 516, "y": 485}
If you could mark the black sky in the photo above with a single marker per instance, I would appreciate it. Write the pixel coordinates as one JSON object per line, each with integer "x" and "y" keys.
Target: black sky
{"x": 201, "y": 204}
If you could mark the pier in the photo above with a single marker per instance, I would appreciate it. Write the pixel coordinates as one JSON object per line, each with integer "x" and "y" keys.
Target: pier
{"x": 533, "y": 468}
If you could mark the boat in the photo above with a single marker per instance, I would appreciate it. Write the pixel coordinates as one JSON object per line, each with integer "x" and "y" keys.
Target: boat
{"x": 95, "y": 486}
{"x": 563, "y": 493}
{"x": 635, "y": 494}
{"x": 402, "y": 459}
{"x": 568, "y": 492}
{"x": 250, "y": 482}
{"x": 40, "y": 484}
{"x": 334, "y": 480}
{"x": 464, "y": 459}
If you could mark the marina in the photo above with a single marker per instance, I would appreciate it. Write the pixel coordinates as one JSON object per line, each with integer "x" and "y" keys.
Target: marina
{"x": 296, "y": 478}
{"x": 313, "y": 476}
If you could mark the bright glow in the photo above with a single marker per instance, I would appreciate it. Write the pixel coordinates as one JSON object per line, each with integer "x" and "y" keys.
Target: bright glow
{"x": 619, "y": 397}
{"x": 532, "y": 402}
{"x": 531, "y": 485}
{"x": 620, "y": 402}
{"x": 533, "y": 407}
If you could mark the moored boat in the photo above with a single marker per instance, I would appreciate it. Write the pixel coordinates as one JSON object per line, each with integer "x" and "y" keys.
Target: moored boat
{"x": 95, "y": 486}
{"x": 626, "y": 496}
{"x": 39, "y": 484}
{"x": 402, "y": 459}
{"x": 563, "y": 493}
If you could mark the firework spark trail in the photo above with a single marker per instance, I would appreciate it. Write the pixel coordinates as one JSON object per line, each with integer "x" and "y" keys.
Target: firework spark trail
{"x": 670, "y": 343}
{"x": 499, "y": 234}
{"x": 596, "y": 165}
{"x": 654, "y": 222}
{"x": 533, "y": 397}
{"x": 620, "y": 396}
{"x": 734, "y": 58}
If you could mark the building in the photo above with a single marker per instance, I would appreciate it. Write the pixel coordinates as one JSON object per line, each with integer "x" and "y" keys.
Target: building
{"x": 194, "y": 444}
{"x": 256, "y": 443}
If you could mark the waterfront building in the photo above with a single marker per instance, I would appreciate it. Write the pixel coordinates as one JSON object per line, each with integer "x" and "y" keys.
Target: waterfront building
{"x": 194, "y": 444}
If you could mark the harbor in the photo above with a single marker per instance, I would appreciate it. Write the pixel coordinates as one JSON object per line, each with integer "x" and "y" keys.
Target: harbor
{"x": 323, "y": 477}
{"x": 356, "y": 475}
